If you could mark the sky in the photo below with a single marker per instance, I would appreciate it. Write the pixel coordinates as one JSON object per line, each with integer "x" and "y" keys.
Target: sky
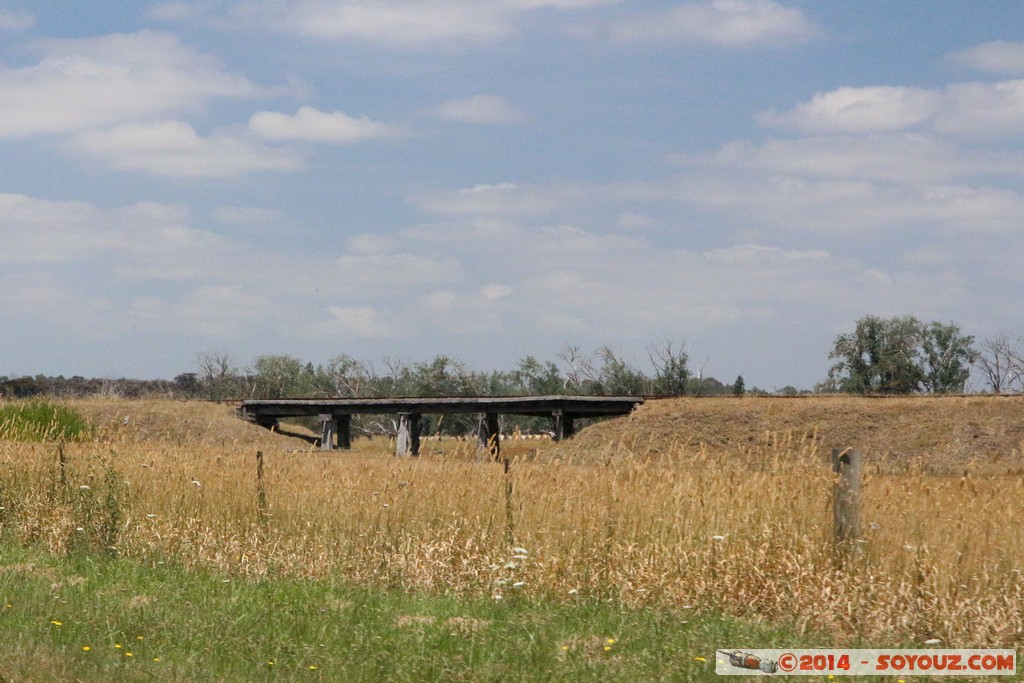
{"x": 496, "y": 179}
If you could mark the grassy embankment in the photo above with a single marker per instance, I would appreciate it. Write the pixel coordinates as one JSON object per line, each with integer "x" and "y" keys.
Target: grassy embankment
{"x": 366, "y": 566}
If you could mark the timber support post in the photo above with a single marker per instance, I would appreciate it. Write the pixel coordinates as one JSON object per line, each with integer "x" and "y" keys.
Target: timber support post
{"x": 344, "y": 428}
{"x": 408, "y": 439}
{"x": 489, "y": 434}
{"x": 564, "y": 427}
{"x": 846, "y": 465}
{"x": 328, "y": 426}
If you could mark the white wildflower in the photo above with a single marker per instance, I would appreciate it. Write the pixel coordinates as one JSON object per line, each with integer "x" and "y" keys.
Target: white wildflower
{"x": 718, "y": 538}
{"x": 574, "y": 591}
{"x": 518, "y": 584}
{"x": 932, "y": 641}
{"x": 84, "y": 487}
{"x": 520, "y": 551}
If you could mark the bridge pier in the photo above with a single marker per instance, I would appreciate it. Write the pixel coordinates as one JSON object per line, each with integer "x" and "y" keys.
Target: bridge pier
{"x": 489, "y": 434}
{"x": 564, "y": 427}
{"x": 335, "y": 425}
{"x": 407, "y": 442}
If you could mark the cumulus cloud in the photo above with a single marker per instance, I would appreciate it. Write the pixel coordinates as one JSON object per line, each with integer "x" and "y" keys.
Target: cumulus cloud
{"x": 312, "y": 125}
{"x": 972, "y": 109}
{"x": 355, "y": 321}
{"x": 999, "y": 57}
{"x": 88, "y": 82}
{"x": 480, "y": 109}
{"x": 208, "y": 311}
{"x": 733, "y": 23}
{"x": 179, "y": 10}
{"x": 403, "y": 23}
{"x": 903, "y": 157}
{"x": 859, "y": 110}
{"x": 247, "y": 215}
{"x": 397, "y": 269}
{"x": 407, "y": 22}
{"x": 499, "y": 198}
{"x": 174, "y": 149}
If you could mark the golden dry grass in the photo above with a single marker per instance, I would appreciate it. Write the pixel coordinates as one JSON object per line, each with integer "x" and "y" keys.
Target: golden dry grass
{"x": 728, "y": 509}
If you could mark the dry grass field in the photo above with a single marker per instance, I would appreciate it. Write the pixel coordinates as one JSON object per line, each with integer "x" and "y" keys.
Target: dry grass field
{"x": 709, "y": 505}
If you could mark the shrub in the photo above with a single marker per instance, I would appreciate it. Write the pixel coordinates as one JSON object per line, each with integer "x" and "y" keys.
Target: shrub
{"x": 41, "y": 421}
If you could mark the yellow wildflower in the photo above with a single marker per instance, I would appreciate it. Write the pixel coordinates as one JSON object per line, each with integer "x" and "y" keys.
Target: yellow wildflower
{"x": 86, "y": 648}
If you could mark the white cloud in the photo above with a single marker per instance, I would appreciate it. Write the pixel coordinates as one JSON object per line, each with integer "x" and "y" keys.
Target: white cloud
{"x": 45, "y": 297}
{"x": 16, "y": 20}
{"x": 897, "y": 157}
{"x": 174, "y": 149}
{"x": 859, "y": 110}
{"x": 494, "y": 291}
{"x": 973, "y": 109}
{"x": 87, "y": 82}
{"x": 480, "y": 109}
{"x": 983, "y": 110}
{"x": 406, "y": 22}
{"x": 733, "y": 23}
{"x": 179, "y": 10}
{"x": 1000, "y": 57}
{"x": 358, "y": 321}
{"x": 313, "y": 125}
{"x": 379, "y": 269}
{"x": 209, "y": 311}
{"x": 247, "y": 215}
{"x": 500, "y": 198}
{"x": 778, "y": 204}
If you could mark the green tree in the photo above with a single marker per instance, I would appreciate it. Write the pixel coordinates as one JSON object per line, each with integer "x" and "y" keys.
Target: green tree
{"x": 900, "y": 355}
{"x": 534, "y": 378}
{"x": 616, "y": 377}
{"x": 739, "y": 387}
{"x": 671, "y": 371}
{"x": 946, "y": 357}
{"x": 281, "y": 377}
{"x": 347, "y": 377}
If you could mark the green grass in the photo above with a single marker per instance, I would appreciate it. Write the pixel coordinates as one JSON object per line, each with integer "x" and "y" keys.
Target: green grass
{"x": 41, "y": 421}
{"x": 156, "y": 622}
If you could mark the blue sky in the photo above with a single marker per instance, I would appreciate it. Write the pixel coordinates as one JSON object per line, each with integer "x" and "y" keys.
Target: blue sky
{"x": 491, "y": 179}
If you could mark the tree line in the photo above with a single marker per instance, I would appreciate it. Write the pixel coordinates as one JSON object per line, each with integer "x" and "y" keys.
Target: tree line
{"x": 895, "y": 355}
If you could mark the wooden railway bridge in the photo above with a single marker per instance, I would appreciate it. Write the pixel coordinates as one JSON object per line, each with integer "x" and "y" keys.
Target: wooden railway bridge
{"x": 335, "y": 414}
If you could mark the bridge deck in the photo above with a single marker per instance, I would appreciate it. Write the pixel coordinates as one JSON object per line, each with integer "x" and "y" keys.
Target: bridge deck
{"x": 336, "y": 413}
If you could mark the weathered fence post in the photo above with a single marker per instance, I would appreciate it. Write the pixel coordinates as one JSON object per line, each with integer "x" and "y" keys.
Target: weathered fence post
{"x": 62, "y": 461}
{"x": 261, "y": 492}
{"x": 846, "y": 465}
{"x": 509, "y": 504}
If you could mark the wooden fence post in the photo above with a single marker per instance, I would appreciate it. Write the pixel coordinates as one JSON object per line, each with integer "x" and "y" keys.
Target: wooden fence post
{"x": 510, "y": 534}
{"x": 261, "y": 492}
{"x": 846, "y": 464}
